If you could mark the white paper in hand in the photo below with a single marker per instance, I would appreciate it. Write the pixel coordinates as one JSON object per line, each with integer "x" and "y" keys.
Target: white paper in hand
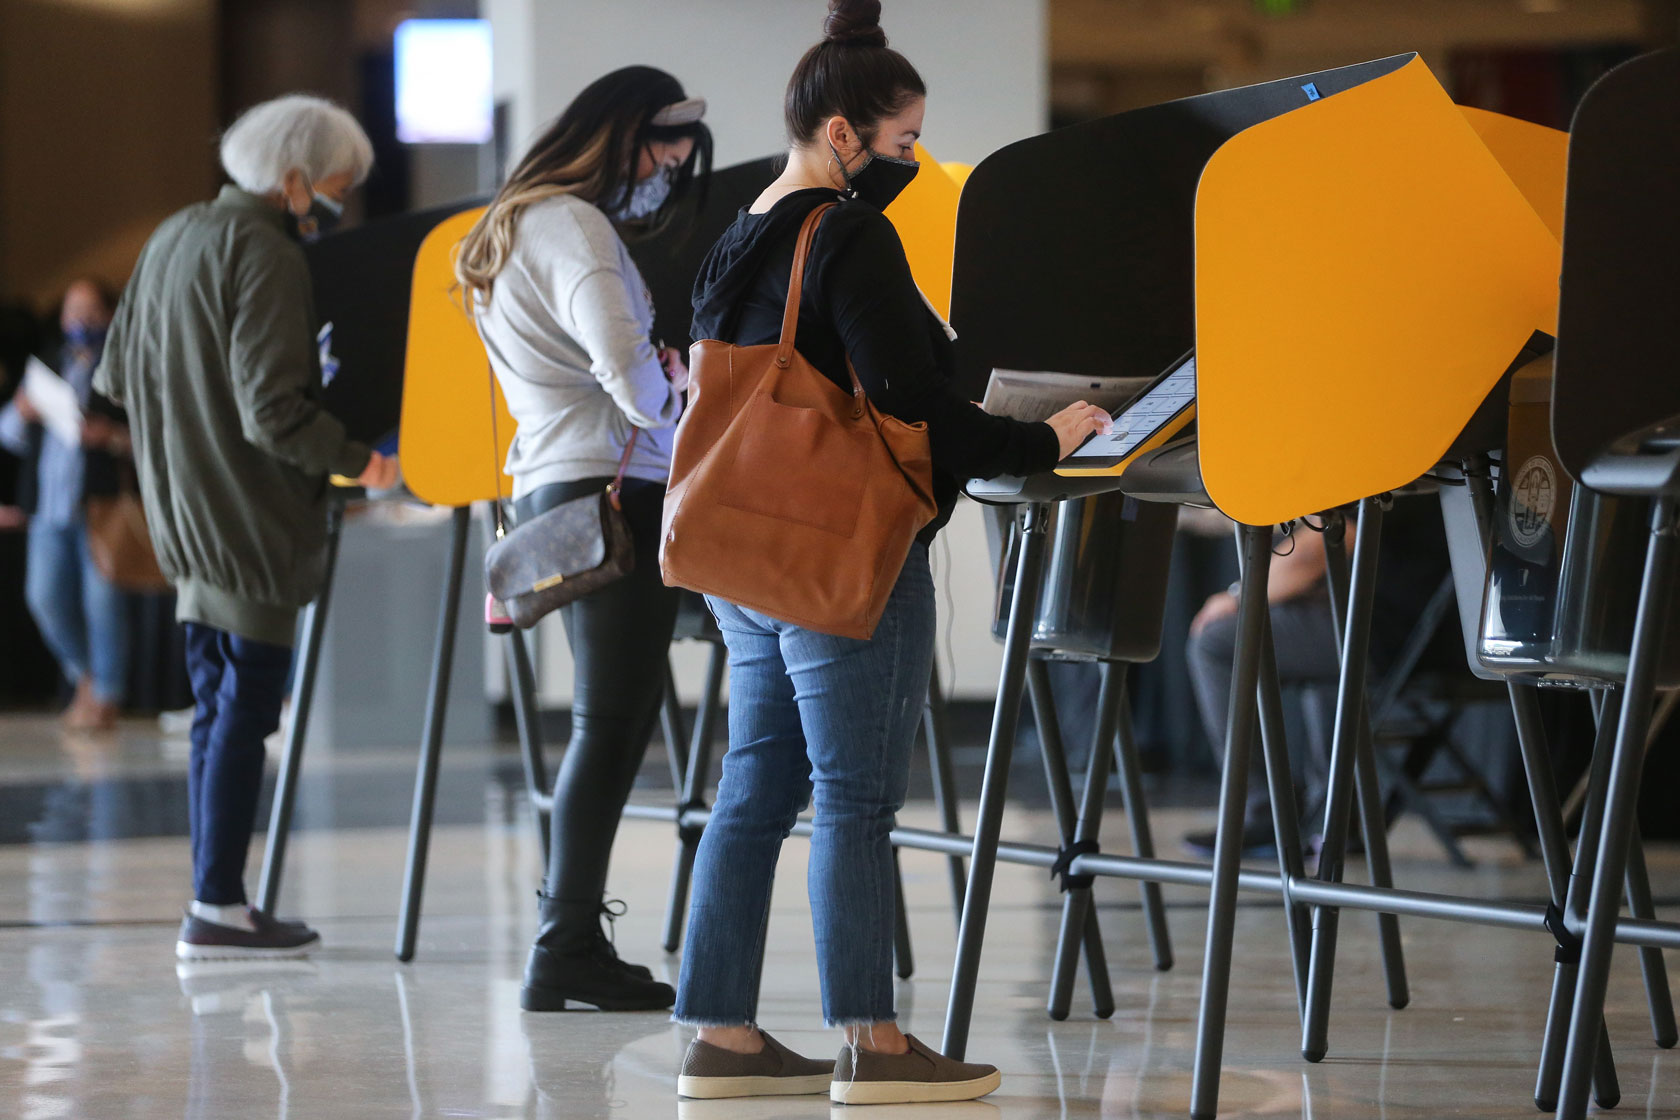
{"x": 1039, "y": 396}
{"x": 55, "y": 399}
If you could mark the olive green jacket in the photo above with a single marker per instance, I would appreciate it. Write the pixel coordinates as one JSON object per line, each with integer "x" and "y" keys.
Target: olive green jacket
{"x": 212, "y": 353}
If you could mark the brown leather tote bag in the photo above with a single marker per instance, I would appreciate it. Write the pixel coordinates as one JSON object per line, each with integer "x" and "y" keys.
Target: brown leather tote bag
{"x": 789, "y": 495}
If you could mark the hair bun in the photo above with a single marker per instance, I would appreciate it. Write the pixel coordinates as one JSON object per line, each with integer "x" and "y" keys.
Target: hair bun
{"x": 855, "y": 23}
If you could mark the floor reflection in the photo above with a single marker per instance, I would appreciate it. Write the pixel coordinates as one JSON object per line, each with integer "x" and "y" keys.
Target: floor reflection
{"x": 97, "y": 1023}
{"x": 240, "y": 1024}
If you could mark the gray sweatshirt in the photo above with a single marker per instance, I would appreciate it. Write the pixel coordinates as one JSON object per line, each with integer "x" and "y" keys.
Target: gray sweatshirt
{"x": 567, "y": 330}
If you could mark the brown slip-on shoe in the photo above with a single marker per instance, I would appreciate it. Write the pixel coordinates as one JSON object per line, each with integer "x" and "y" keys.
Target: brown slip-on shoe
{"x": 711, "y": 1072}
{"x": 917, "y": 1076}
{"x": 200, "y": 940}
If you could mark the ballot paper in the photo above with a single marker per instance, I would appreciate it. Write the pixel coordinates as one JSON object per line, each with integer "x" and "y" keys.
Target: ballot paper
{"x": 55, "y": 399}
{"x": 1023, "y": 395}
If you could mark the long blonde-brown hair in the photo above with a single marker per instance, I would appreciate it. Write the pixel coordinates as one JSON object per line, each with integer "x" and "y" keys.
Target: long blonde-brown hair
{"x": 591, "y": 151}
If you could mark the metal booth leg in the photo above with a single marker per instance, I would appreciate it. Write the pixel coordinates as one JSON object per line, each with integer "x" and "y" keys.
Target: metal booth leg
{"x": 1143, "y": 842}
{"x": 1652, "y": 968}
{"x": 431, "y": 738}
{"x": 1255, "y": 553}
{"x": 944, "y": 781}
{"x": 1078, "y": 834}
{"x": 1373, "y": 820}
{"x": 1565, "y": 926}
{"x": 671, "y": 725}
{"x": 537, "y": 788}
{"x": 693, "y": 795}
{"x": 1554, "y": 853}
{"x": 903, "y": 959}
{"x": 971, "y": 933}
{"x": 1665, "y": 711}
{"x": 526, "y": 722}
{"x": 1640, "y": 905}
{"x": 1286, "y": 817}
{"x": 1344, "y": 752}
{"x": 1554, "y": 844}
{"x": 1620, "y": 812}
{"x": 303, "y": 694}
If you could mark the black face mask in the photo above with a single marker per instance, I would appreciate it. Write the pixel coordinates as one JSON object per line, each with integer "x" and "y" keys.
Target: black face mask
{"x": 320, "y": 219}
{"x": 881, "y": 178}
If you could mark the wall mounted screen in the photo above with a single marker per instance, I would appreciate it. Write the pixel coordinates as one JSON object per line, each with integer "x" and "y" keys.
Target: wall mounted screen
{"x": 443, "y": 81}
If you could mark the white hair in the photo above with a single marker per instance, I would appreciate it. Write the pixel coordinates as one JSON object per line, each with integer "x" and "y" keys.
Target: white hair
{"x": 295, "y": 132}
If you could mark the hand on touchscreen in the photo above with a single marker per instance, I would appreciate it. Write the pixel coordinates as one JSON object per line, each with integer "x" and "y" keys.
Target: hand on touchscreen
{"x": 1078, "y": 422}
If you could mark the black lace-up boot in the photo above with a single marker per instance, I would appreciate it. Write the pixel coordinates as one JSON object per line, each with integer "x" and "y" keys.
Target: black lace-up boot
{"x": 574, "y": 961}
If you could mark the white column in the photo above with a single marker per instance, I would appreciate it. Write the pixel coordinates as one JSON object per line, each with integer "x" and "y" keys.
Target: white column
{"x": 986, "y": 62}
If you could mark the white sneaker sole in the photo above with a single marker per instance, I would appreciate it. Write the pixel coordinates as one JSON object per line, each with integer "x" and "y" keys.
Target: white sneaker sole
{"x": 186, "y": 951}
{"x": 912, "y": 1092}
{"x": 719, "y": 1088}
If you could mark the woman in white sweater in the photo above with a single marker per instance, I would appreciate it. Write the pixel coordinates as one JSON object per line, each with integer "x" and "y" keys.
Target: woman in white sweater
{"x": 567, "y": 322}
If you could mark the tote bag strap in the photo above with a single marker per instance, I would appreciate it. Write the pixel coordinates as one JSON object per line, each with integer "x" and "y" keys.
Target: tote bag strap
{"x": 796, "y": 284}
{"x": 796, "y": 289}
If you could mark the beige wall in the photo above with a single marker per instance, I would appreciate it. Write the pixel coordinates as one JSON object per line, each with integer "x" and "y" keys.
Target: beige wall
{"x": 984, "y": 62}
{"x": 107, "y": 124}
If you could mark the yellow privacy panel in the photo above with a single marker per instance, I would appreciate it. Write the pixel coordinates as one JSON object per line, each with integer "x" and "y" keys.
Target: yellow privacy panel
{"x": 449, "y": 457}
{"x": 925, "y": 216}
{"x": 1365, "y": 271}
{"x": 959, "y": 172}
{"x": 1534, "y": 156}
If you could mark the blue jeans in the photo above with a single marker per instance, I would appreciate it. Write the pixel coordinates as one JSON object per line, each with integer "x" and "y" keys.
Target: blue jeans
{"x": 812, "y": 719}
{"x": 81, "y": 616}
{"x": 238, "y": 685}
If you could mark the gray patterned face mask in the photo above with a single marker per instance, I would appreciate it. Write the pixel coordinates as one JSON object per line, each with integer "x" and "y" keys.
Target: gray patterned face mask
{"x": 647, "y": 196}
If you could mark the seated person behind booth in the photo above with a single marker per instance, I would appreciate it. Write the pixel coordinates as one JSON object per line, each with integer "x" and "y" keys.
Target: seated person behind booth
{"x": 1305, "y": 639}
{"x": 1412, "y": 563}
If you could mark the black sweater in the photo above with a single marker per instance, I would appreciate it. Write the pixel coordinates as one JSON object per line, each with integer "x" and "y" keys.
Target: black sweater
{"x": 860, "y": 299}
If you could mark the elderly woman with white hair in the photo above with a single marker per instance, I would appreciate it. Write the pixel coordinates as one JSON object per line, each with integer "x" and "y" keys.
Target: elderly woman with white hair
{"x": 212, "y": 352}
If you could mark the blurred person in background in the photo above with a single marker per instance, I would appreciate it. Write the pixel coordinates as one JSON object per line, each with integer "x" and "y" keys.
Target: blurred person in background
{"x": 566, "y": 321}
{"x": 82, "y": 617}
{"x": 212, "y": 352}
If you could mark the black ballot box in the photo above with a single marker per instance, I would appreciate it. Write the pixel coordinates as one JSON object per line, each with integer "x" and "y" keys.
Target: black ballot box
{"x": 1105, "y": 579}
{"x": 1564, "y": 563}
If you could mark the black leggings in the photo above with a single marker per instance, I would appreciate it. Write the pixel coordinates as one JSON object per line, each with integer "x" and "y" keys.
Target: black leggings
{"x": 620, "y": 637}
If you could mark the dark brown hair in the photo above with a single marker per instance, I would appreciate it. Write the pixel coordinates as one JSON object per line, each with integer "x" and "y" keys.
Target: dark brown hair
{"x": 852, "y": 73}
{"x": 590, "y": 150}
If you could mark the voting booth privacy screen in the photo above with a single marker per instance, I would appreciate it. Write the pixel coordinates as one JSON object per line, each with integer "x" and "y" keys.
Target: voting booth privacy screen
{"x": 1342, "y": 250}
{"x": 403, "y": 346}
{"x": 1618, "y": 353}
{"x": 363, "y": 280}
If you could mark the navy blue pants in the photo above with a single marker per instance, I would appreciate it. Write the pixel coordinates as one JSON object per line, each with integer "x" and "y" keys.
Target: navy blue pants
{"x": 238, "y": 685}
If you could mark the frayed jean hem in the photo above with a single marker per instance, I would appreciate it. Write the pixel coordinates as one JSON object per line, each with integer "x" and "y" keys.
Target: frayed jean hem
{"x": 842, "y": 1024}
{"x": 708, "y": 1024}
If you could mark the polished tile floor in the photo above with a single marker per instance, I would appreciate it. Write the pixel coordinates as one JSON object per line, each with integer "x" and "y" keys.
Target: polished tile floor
{"x": 97, "y": 1022}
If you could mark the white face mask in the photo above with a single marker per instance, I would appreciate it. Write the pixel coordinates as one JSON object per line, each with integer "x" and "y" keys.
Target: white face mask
{"x": 647, "y": 196}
